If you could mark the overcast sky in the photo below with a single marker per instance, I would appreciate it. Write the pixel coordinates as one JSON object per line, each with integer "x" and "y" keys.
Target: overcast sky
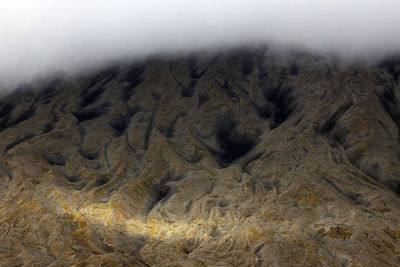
{"x": 40, "y": 36}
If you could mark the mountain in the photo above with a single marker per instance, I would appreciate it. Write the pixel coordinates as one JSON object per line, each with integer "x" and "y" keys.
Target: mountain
{"x": 239, "y": 158}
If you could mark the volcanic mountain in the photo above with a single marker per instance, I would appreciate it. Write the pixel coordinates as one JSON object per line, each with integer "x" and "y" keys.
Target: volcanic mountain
{"x": 239, "y": 158}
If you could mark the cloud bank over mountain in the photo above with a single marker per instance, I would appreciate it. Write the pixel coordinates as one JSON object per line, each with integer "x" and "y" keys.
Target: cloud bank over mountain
{"x": 42, "y": 36}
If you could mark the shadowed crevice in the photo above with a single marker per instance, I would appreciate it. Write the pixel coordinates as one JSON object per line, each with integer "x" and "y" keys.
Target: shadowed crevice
{"x": 121, "y": 123}
{"x": 250, "y": 160}
{"x": 89, "y": 155}
{"x": 102, "y": 180}
{"x": 247, "y": 65}
{"x": 278, "y": 102}
{"x": 85, "y": 114}
{"x": 161, "y": 191}
{"x": 353, "y": 196}
{"x": 19, "y": 141}
{"x": 89, "y": 97}
{"x": 73, "y": 179}
{"x": 294, "y": 70}
{"x": 388, "y": 100}
{"x": 188, "y": 91}
{"x": 134, "y": 77}
{"x": 105, "y": 76}
{"x": 149, "y": 129}
{"x": 133, "y": 73}
{"x": 202, "y": 98}
{"x": 330, "y": 123}
{"x": 228, "y": 90}
{"x": 156, "y": 95}
{"x": 232, "y": 141}
{"x": 194, "y": 71}
{"x": 26, "y": 115}
{"x": 48, "y": 127}
{"x": 5, "y": 109}
{"x": 168, "y": 132}
{"x": 54, "y": 158}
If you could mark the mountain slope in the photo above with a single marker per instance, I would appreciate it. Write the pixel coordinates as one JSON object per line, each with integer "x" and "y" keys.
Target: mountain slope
{"x": 233, "y": 159}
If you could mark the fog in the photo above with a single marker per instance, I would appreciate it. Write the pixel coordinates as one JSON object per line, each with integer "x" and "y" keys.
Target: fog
{"x": 40, "y": 37}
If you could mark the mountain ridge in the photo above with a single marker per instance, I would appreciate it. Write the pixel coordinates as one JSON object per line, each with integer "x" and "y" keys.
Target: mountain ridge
{"x": 229, "y": 159}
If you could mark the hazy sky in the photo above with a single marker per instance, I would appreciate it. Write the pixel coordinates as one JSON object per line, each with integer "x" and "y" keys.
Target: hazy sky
{"x": 40, "y": 36}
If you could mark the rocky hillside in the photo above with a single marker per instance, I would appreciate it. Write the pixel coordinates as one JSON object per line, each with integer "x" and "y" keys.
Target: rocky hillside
{"x": 244, "y": 158}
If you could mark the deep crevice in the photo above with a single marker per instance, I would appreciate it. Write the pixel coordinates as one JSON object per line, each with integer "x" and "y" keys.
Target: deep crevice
{"x": 171, "y": 128}
{"x": 194, "y": 72}
{"x": 133, "y": 73}
{"x": 330, "y": 123}
{"x": 5, "y": 109}
{"x": 354, "y": 197}
{"x": 191, "y": 63}
{"x": 250, "y": 160}
{"x": 149, "y": 129}
{"x": 279, "y": 103}
{"x": 89, "y": 155}
{"x": 247, "y": 65}
{"x": 102, "y": 180}
{"x": 156, "y": 95}
{"x": 188, "y": 91}
{"x": 26, "y": 115}
{"x": 294, "y": 70}
{"x": 89, "y": 97}
{"x": 232, "y": 142}
{"x": 388, "y": 101}
{"x": 134, "y": 77}
{"x": 73, "y": 178}
{"x": 48, "y": 127}
{"x": 229, "y": 91}
{"x": 18, "y": 141}
{"x": 85, "y": 114}
{"x": 202, "y": 98}
{"x": 107, "y": 74}
{"x": 121, "y": 123}
{"x": 162, "y": 191}
{"x": 54, "y": 158}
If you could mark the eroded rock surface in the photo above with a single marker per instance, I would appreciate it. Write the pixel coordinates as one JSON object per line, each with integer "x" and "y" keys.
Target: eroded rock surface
{"x": 235, "y": 159}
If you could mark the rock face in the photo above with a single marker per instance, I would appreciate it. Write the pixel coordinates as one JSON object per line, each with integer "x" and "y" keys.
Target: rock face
{"x": 233, "y": 159}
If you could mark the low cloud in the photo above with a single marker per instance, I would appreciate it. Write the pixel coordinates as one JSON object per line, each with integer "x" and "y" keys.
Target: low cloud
{"x": 40, "y": 37}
